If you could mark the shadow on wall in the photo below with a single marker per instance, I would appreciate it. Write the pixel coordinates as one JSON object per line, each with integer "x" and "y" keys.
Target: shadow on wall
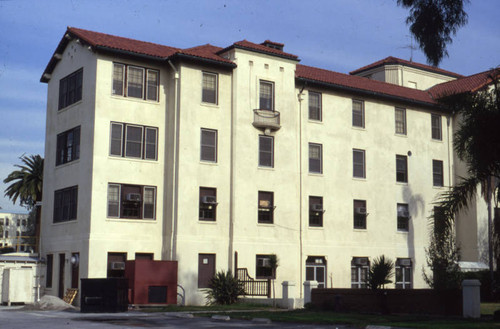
{"x": 416, "y": 206}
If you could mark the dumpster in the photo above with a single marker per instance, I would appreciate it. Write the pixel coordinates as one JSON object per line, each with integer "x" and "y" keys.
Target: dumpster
{"x": 104, "y": 295}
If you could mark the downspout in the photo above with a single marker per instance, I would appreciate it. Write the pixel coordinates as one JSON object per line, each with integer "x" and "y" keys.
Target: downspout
{"x": 448, "y": 123}
{"x": 231, "y": 187}
{"x": 299, "y": 96}
{"x": 175, "y": 188}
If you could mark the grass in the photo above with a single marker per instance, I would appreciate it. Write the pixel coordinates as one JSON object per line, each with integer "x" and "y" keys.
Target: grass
{"x": 489, "y": 308}
{"x": 210, "y": 308}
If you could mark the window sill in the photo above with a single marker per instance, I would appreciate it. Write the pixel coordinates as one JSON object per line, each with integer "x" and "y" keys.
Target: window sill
{"x": 403, "y": 232}
{"x": 266, "y": 168}
{"x": 358, "y": 128}
{"x": 64, "y": 109}
{"x": 359, "y": 229}
{"x": 402, "y": 183}
{"x": 318, "y": 122}
{"x": 211, "y": 105}
{"x": 128, "y": 159}
{"x": 73, "y": 221}
{"x": 135, "y": 99}
{"x": 317, "y": 174}
{"x": 62, "y": 165}
{"x": 207, "y": 222}
{"x": 359, "y": 179}
{"x": 316, "y": 228}
{"x": 437, "y": 187}
{"x": 401, "y": 135}
{"x": 131, "y": 220}
{"x": 265, "y": 224}
{"x": 437, "y": 140}
{"x": 209, "y": 163}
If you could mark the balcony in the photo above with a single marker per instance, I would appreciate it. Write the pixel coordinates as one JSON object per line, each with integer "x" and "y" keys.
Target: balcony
{"x": 268, "y": 120}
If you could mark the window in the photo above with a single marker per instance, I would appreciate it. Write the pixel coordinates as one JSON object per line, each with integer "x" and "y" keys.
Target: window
{"x": 314, "y": 106}
{"x": 48, "y": 274}
{"x": 208, "y": 145}
{"x": 133, "y": 141}
{"x": 116, "y": 264}
{"x": 209, "y": 88}
{"x": 439, "y": 222}
{"x": 206, "y": 269}
{"x": 266, "y": 151}
{"x": 403, "y": 217}
{"x": 208, "y": 203}
{"x": 65, "y": 204}
{"x": 70, "y": 89}
{"x": 316, "y": 270}
{"x": 358, "y": 163}
{"x": 266, "y": 207}
{"x": 360, "y": 266}
{"x": 436, "y": 126}
{"x": 403, "y": 273}
{"x": 266, "y": 95}
{"x": 315, "y": 158}
{"x": 400, "y": 116}
{"x": 263, "y": 268}
{"x": 401, "y": 168}
{"x": 360, "y": 214}
{"x": 68, "y": 146}
{"x": 316, "y": 211}
{"x": 136, "y": 82}
{"x": 131, "y": 201}
{"x": 437, "y": 173}
{"x": 358, "y": 113}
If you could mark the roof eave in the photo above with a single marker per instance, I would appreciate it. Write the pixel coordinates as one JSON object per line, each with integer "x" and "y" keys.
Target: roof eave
{"x": 450, "y": 74}
{"x": 292, "y": 58}
{"x": 194, "y": 58}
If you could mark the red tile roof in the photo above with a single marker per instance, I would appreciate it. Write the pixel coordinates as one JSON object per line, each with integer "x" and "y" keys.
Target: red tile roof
{"x": 361, "y": 84}
{"x": 471, "y": 83}
{"x": 244, "y": 44}
{"x": 205, "y": 51}
{"x": 394, "y": 60}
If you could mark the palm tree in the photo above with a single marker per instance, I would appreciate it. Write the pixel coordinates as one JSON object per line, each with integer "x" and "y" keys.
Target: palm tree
{"x": 26, "y": 186}
{"x": 380, "y": 273}
{"x": 477, "y": 144}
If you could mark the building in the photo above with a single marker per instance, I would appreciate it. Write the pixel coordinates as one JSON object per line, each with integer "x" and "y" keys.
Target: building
{"x": 219, "y": 157}
{"x": 12, "y": 227}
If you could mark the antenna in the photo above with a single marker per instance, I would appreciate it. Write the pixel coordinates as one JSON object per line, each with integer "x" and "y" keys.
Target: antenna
{"x": 411, "y": 47}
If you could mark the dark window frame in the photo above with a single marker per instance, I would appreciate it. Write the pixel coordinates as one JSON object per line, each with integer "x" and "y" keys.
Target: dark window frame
{"x": 437, "y": 173}
{"x": 315, "y": 113}
{"x": 207, "y": 212}
{"x": 204, "y": 146}
{"x": 123, "y": 141}
{"x": 436, "y": 127}
{"x": 65, "y": 204}
{"x": 262, "y": 151}
{"x": 71, "y": 89}
{"x": 401, "y": 168}
{"x": 206, "y": 96}
{"x": 149, "y": 92}
{"x": 359, "y": 220}
{"x": 358, "y": 116}
{"x": 315, "y": 162}
{"x": 357, "y": 164}
{"x": 315, "y": 216}
{"x": 265, "y": 207}
{"x": 68, "y": 146}
{"x": 125, "y": 209}
{"x": 403, "y": 222}
{"x": 263, "y": 271}
{"x": 49, "y": 271}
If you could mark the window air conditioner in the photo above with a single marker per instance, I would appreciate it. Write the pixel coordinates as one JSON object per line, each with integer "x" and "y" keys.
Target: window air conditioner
{"x": 404, "y": 213}
{"x": 317, "y": 207}
{"x": 263, "y": 262}
{"x": 117, "y": 266}
{"x": 405, "y": 262}
{"x": 134, "y": 197}
{"x": 361, "y": 261}
{"x": 360, "y": 211}
{"x": 209, "y": 199}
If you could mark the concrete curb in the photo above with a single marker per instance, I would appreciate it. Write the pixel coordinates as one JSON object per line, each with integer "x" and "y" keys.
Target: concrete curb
{"x": 261, "y": 320}
{"x": 221, "y": 318}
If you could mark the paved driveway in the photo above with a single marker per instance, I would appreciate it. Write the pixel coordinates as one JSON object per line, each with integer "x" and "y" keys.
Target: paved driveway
{"x": 19, "y": 319}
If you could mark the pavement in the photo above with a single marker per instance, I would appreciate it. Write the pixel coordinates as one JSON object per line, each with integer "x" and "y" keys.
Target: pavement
{"x": 18, "y": 318}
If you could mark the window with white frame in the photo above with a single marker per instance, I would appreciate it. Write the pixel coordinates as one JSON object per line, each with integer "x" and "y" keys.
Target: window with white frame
{"x": 266, "y": 151}
{"x": 358, "y": 113}
{"x": 358, "y": 163}
{"x": 131, "y": 201}
{"x": 315, "y": 158}
{"x": 133, "y": 141}
{"x": 436, "y": 126}
{"x": 266, "y": 95}
{"x": 403, "y": 273}
{"x": 360, "y": 266}
{"x": 315, "y": 106}
{"x": 208, "y": 145}
{"x": 136, "y": 82}
{"x": 437, "y": 173}
{"x": 400, "y": 120}
{"x": 209, "y": 88}
{"x": 403, "y": 217}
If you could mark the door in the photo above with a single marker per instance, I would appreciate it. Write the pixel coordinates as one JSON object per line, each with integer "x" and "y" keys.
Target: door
{"x": 316, "y": 270}
{"x": 62, "y": 260}
{"x": 75, "y": 269}
{"x": 206, "y": 269}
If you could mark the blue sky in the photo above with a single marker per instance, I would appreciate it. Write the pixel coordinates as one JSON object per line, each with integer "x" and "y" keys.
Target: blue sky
{"x": 339, "y": 35}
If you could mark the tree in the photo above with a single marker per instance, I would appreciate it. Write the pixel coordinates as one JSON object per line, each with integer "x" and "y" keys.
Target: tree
{"x": 26, "y": 186}
{"x": 432, "y": 22}
{"x": 477, "y": 144}
{"x": 380, "y": 273}
{"x": 273, "y": 264}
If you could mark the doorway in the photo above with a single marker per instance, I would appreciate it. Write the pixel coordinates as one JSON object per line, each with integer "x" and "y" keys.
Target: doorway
{"x": 316, "y": 270}
{"x": 62, "y": 260}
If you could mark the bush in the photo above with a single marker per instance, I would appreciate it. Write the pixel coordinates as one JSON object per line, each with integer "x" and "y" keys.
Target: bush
{"x": 380, "y": 272}
{"x": 224, "y": 289}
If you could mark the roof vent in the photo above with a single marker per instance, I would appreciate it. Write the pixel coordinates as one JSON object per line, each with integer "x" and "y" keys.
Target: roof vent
{"x": 274, "y": 45}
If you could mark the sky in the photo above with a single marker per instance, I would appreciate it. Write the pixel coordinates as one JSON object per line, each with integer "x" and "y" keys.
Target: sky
{"x": 338, "y": 35}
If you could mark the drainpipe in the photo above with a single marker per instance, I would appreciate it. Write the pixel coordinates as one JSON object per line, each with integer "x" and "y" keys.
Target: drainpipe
{"x": 449, "y": 122}
{"x": 231, "y": 186}
{"x": 175, "y": 189}
{"x": 299, "y": 96}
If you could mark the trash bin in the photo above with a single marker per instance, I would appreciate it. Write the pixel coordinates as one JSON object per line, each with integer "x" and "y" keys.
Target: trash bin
{"x": 104, "y": 295}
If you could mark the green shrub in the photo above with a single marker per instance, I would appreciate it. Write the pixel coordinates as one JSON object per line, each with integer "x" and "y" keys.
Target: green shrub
{"x": 224, "y": 289}
{"x": 380, "y": 272}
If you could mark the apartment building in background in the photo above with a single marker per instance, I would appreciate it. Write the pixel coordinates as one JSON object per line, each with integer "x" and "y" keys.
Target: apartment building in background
{"x": 12, "y": 227}
{"x": 219, "y": 157}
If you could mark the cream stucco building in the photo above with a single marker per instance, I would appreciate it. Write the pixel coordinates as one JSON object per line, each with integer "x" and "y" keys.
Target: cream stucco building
{"x": 219, "y": 157}
{"x": 12, "y": 227}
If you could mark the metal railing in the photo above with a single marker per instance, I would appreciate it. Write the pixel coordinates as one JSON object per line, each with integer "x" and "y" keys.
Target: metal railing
{"x": 254, "y": 287}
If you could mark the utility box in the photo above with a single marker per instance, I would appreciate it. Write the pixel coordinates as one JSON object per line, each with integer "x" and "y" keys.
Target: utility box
{"x": 17, "y": 286}
{"x": 104, "y": 295}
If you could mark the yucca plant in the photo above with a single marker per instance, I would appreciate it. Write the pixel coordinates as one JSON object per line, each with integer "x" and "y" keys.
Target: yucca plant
{"x": 380, "y": 273}
{"x": 224, "y": 289}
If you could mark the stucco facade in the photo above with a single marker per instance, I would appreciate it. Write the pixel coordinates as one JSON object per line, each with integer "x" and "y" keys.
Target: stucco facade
{"x": 236, "y": 236}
